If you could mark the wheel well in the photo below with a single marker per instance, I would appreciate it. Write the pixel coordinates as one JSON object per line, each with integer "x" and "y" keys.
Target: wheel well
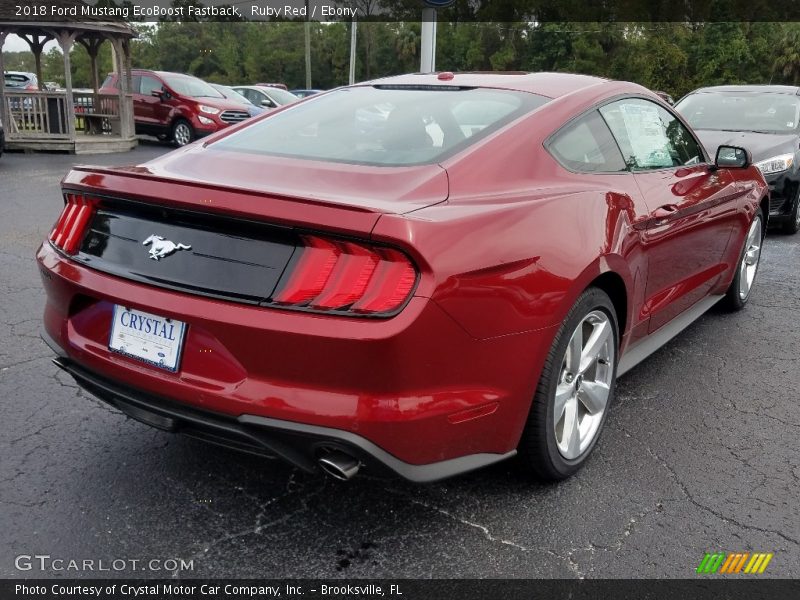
{"x": 764, "y": 204}
{"x": 613, "y": 285}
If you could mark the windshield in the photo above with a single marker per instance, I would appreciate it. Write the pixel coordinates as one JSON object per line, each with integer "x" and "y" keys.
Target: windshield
{"x": 231, "y": 94}
{"x": 193, "y": 87}
{"x": 280, "y": 96}
{"x": 384, "y": 126}
{"x": 767, "y": 112}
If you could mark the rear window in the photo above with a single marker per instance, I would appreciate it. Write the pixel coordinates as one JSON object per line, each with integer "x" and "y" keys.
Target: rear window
{"x": 385, "y": 126}
{"x": 17, "y": 79}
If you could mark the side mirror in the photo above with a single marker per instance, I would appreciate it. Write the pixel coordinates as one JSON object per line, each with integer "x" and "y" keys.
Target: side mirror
{"x": 268, "y": 103}
{"x": 732, "y": 157}
{"x": 158, "y": 93}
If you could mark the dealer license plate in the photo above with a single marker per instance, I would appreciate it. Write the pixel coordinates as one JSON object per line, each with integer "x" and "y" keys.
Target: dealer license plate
{"x": 147, "y": 337}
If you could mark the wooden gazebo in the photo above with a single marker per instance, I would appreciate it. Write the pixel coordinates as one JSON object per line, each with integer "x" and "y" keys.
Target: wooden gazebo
{"x": 83, "y": 122}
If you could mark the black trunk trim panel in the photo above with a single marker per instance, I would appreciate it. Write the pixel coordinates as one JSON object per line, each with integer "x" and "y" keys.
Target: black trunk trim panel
{"x": 228, "y": 258}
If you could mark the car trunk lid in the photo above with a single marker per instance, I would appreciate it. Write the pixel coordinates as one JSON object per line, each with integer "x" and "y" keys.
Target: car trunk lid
{"x": 233, "y": 237}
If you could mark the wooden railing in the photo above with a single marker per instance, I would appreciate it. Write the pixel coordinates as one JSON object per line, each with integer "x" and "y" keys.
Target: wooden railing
{"x": 43, "y": 115}
{"x": 36, "y": 114}
{"x": 96, "y": 113}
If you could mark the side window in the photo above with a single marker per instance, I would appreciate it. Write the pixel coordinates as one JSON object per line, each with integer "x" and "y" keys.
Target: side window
{"x": 586, "y": 145}
{"x": 135, "y": 82}
{"x": 253, "y": 96}
{"x": 149, "y": 84}
{"x": 650, "y": 136}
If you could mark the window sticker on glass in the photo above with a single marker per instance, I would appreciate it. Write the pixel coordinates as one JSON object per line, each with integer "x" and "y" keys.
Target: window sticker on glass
{"x": 647, "y": 135}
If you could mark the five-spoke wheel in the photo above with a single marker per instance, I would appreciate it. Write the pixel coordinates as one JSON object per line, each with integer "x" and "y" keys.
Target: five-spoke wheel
{"x": 584, "y": 386}
{"x": 575, "y": 391}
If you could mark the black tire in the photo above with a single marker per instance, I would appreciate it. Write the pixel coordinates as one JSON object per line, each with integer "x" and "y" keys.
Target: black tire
{"x": 734, "y": 298}
{"x": 538, "y": 449}
{"x": 792, "y": 224}
{"x": 182, "y": 133}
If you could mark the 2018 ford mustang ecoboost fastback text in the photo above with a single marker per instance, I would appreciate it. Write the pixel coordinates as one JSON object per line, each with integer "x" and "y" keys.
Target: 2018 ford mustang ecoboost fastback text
{"x": 419, "y": 275}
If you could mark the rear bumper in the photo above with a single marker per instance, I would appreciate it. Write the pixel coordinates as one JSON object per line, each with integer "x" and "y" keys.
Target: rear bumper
{"x": 298, "y": 444}
{"x": 413, "y": 394}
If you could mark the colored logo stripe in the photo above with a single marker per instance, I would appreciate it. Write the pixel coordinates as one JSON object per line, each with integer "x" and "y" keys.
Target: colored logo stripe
{"x": 758, "y": 564}
{"x": 711, "y": 562}
{"x": 734, "y": 562}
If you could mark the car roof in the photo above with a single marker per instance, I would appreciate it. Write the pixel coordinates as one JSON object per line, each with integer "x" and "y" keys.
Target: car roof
{"x": 770, "y": 89}
{"x": 258, "y": 88}
{"x": 551, "y": 85}
{"x": 163, "y": 73}
{"x": 25, "y": 73}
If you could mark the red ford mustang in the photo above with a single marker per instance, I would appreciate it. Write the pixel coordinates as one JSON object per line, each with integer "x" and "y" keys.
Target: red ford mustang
{"x": 420, "y": 275}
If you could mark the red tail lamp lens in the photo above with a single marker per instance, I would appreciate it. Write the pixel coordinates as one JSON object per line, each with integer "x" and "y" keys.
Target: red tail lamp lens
{"x": 348, "y": 276}
{"x": 71, "y": 225}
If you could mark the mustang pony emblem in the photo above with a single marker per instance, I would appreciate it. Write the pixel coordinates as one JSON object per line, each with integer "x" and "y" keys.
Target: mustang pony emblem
{"x": 161, "y": 247}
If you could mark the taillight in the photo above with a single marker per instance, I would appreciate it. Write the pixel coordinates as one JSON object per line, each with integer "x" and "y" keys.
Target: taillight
{"x": 349, "y": 277}
{"x": 71, "y": 225}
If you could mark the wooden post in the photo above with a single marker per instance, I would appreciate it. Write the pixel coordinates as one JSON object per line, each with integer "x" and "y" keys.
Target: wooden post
{"x": 36, "y": 42}
{"x": 123, "y": 87}
{"x": 92, "y": 46}
{"x": 65, "y": 40}
{"x": 3, "y": 118}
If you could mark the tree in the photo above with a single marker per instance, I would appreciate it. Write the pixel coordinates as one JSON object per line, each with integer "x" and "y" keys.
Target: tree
{"x": 787, "y": 61}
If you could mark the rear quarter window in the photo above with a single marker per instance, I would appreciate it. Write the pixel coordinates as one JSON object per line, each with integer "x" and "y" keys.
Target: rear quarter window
{"x": 586, "y": 145}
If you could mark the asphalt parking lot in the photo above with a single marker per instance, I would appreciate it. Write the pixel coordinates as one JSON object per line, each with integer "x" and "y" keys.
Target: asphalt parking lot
{"x": 700, "y": 454}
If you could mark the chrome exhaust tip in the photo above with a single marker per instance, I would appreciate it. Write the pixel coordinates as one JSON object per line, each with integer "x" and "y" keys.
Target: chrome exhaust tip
{"x": 339, "y": 465}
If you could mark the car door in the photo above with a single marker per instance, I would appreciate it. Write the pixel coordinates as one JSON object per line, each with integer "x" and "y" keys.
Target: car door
{"x": 146, "y": 105}
{"x": 692, "y": 206}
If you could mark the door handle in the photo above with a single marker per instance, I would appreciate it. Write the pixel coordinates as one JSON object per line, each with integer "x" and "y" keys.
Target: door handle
{"x": 666, "y": 211}
{"x": 663, "y": 213}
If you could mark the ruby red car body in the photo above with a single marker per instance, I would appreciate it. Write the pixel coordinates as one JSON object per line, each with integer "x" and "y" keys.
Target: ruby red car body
{"x": 502, "y": 237}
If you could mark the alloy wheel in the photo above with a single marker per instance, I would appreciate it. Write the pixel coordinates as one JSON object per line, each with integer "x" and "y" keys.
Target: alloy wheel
{"x": 752, "y": 254}
{"x": 584, "y": 384}
{"x": 183, "y": 134}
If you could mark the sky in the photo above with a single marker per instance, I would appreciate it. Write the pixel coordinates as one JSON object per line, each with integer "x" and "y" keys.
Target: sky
{"x": 15, "y": 43}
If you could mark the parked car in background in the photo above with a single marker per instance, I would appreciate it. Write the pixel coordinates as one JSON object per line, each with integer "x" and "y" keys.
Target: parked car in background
{"x": 176, "y": 106}
{"x": 268, "y": 97}
{"x": 665, "y": 97}
{"x": 464, "y": 287}
{"x": 281, "y": 86}
{"x": 235, "y": 96}
{"x": 20, "y": 81}
{"x": 305, "y": 93}
{"x": 765, "y": 119}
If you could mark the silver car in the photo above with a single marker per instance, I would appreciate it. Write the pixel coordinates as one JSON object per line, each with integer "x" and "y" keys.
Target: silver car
{"x": 268, "y": 97}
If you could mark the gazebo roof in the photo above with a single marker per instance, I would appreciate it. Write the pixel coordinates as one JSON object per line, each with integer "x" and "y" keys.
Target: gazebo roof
{"x": 50, "y": 120}
{"x": 82, "y": 23}
{"x": 114, "y": 28}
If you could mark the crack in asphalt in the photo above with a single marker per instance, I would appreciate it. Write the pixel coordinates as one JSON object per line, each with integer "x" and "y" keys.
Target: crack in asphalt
{"x": 685, "y": 490}
{"x": 482, "y": 528}
{"x": 7, "y": 366}
{"x": 258, "y": 527}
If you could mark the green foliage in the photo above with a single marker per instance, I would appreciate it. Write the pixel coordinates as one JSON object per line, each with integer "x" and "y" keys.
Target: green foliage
{"x": 672, "y": 56}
